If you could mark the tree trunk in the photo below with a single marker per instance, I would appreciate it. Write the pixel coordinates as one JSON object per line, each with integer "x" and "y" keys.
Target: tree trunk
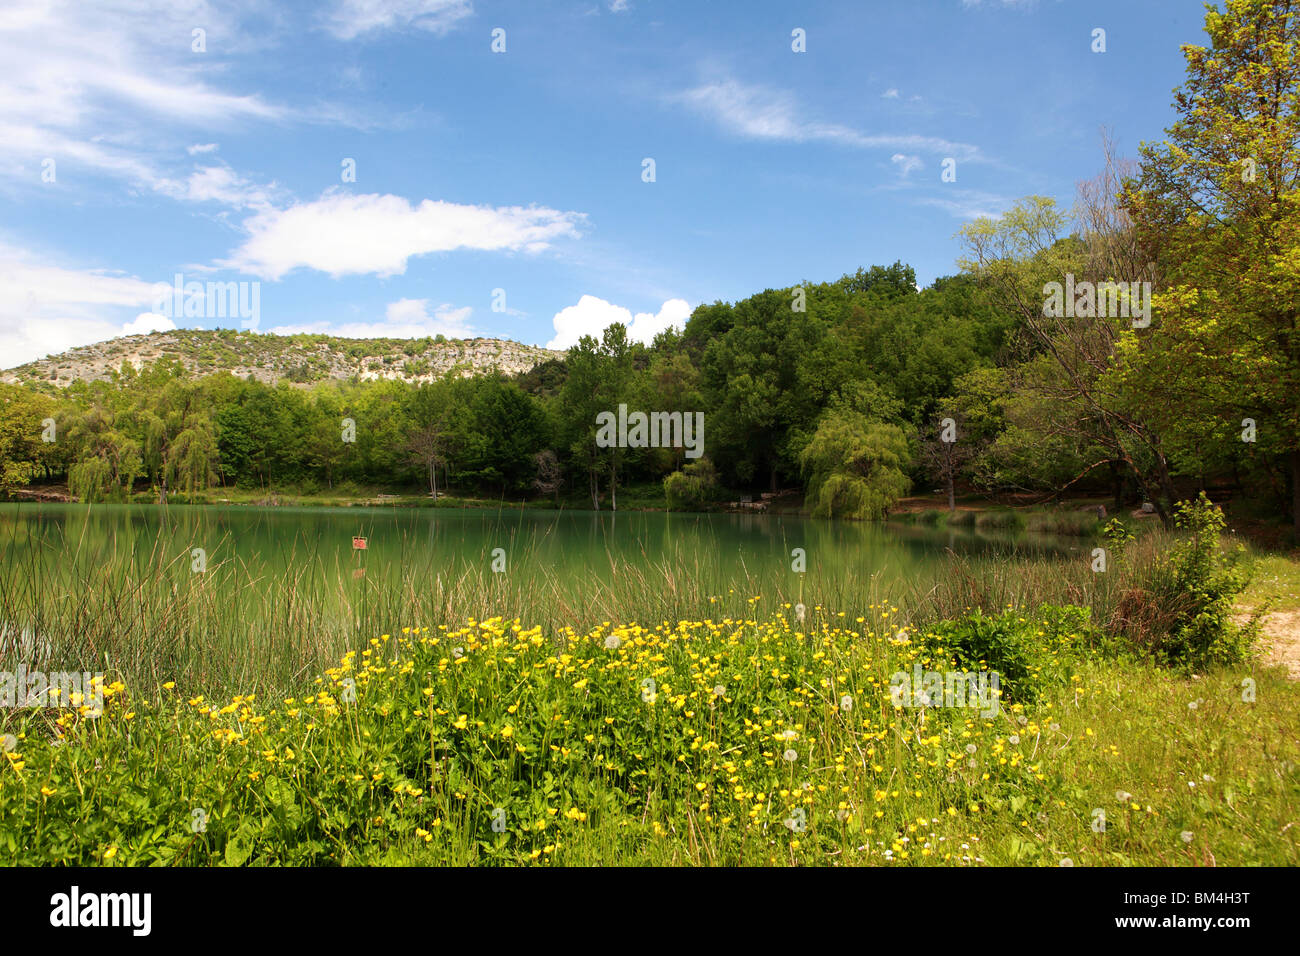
{"x": 613, "y": 484}
{"x": 1295, "y": 491}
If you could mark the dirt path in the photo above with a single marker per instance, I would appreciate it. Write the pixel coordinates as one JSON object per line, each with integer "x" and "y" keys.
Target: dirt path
{"x": 1280, "y": 637}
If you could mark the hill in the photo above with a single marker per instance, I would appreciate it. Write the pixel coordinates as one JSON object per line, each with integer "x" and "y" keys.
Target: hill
{"x": 269, "y": 358}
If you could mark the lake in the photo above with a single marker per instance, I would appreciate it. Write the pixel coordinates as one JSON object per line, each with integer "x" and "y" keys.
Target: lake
{"x": 209, "y": 586}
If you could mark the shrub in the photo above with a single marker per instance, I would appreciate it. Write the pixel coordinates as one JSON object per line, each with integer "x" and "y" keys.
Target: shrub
{"x": 1027, "y": 655}
{"x": 692, "y": 488}
{"x": 1206, "y": 583}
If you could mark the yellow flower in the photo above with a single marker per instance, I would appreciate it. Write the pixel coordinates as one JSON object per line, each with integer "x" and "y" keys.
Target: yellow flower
{"x": 110, "y": 853}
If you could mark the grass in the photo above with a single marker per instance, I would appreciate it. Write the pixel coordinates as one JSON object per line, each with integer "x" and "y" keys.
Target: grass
{"x": 1276, "y": 583}
{"x": 759, "y": 741}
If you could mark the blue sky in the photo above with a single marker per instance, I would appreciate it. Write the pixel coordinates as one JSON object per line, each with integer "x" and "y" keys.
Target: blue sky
{"x": 128, "y": 156}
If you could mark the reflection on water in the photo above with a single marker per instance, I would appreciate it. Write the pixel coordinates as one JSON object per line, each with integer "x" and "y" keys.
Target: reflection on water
{"x": 568, "y": 542}
{"x": 283, "y": 590}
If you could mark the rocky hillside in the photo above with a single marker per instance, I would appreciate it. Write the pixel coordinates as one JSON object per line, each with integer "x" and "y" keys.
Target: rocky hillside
{"x": 301, "y": 359}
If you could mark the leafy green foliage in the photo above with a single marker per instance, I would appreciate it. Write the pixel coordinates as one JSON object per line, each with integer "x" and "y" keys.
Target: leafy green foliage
{"x": 856, "y": 467}
{"x": 693, "y": 488}
{"x": 1026, "y": 653}
{"x": 1206, "y": 582}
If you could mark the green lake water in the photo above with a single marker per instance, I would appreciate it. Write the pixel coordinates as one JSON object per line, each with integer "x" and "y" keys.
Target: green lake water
{"x": 555, "y": 545}
{"x": 234, "y": 596}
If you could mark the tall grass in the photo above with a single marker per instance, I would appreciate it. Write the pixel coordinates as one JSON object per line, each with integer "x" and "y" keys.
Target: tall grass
{"x": 131, "y": 605}
{"x": 264, "y": 623}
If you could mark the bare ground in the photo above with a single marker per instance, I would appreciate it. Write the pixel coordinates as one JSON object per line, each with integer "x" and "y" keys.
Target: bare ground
{"x": 1280, "y": 639}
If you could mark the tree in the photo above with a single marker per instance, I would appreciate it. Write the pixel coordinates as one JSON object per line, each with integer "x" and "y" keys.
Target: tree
{"x": 856, "y": 468}
{"x": 549, "y": 473}
{"x": 591, "y": 387}
{"x": 692, "y": 488}
{"x": 107, "y": 460}
{"x": 427, "y": 446}
{"x": 945, "y": 452}
{"x": 431, "y": 409}
{"x": 192, "y": 457}
{"x": 21, "y": 447}
{"x": 1217, "y": 206}
{"x": 1069, "y": 373}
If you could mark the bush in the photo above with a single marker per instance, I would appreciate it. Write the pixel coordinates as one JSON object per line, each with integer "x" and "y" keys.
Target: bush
{"x": 1026, "y": 655}
{"x": 1206, "y": 583}
{"x": 692, "y": 488}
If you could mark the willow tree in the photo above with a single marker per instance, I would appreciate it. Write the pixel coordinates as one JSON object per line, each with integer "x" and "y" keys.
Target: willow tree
{"x": 856, "y": 467}
{"x": 1216, "y": 206}
{"x": 192, "y": 457}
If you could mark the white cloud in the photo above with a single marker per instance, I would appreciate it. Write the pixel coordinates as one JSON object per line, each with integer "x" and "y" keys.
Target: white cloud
{"x": 969, "y": 203}
{"x": 757, "y": 112}
{"x": 99, "y": 86}
{"x": 345, "y": 234}
{"x": 403, "y": 319}
{"x": 889, "y": 94}
{"x": 46, "y": 309}
{"x": 147, "y": 322}
{"x": 906, "y": 163}
{"x": 220, "y": 184}
{"x": 352, "y": 18}
{"x": 201, "y": 148}
{"x": 592, "y": 315}
{"x": 619, "y": 6}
